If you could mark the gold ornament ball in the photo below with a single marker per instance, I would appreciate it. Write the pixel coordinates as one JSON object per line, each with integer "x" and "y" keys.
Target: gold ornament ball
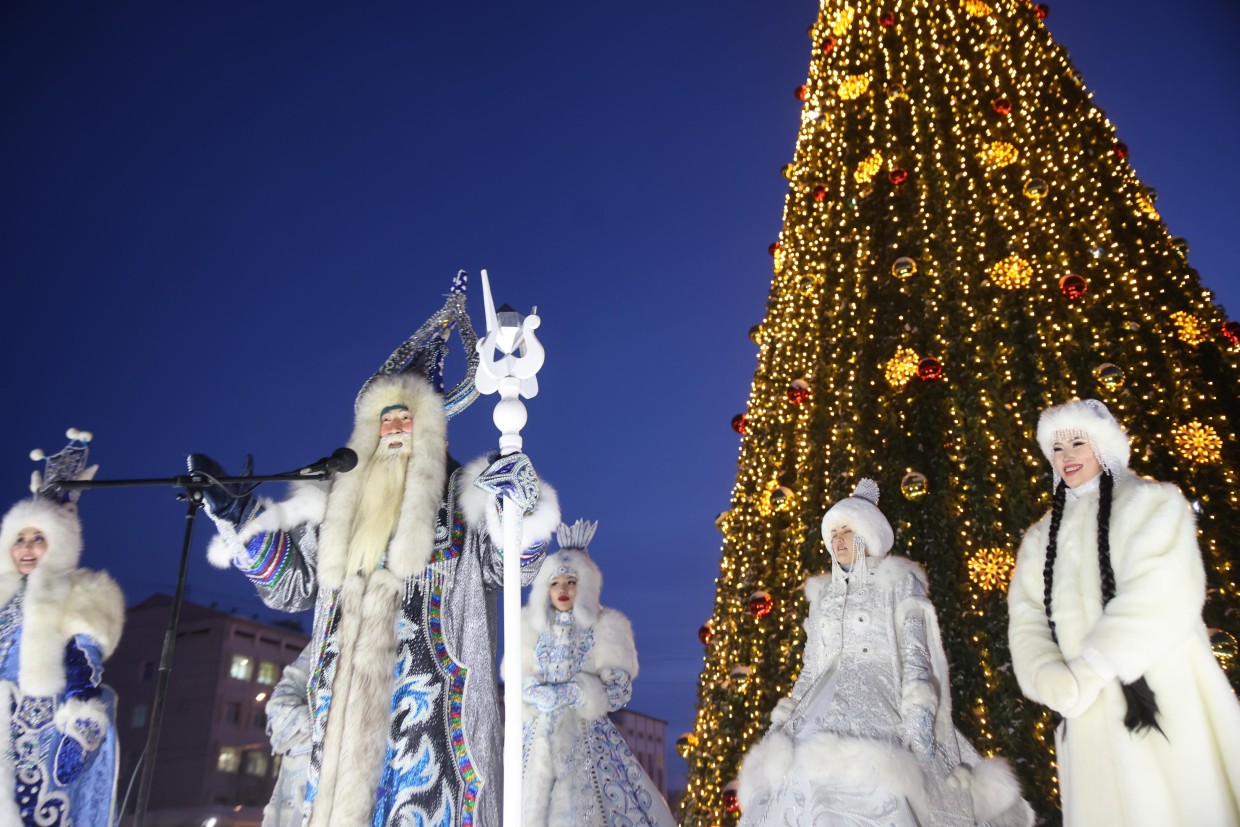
{"x": 1109, "y": 376}
{"x": 1224, "y": 646}
{"x": 755, "y": 334}
{"x": 904, "y": 267}
{"x": 722, "y": 520}
{"x": 685, "y": 744}
{"x": 914, "y": 485}
{"x": 1036, "y": 189}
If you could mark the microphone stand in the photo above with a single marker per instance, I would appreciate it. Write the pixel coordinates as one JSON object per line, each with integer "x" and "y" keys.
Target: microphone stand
{"x": 192, "y": 486}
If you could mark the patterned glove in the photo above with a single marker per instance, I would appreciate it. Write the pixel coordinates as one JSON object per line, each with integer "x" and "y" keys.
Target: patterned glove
{"x": 512, "y": 476}
{"x": 541, "y": 696}
{"x": 224, "y": 501}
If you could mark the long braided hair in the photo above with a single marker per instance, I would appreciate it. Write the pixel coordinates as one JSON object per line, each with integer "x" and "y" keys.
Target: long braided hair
{"x": 1142, "y": 709}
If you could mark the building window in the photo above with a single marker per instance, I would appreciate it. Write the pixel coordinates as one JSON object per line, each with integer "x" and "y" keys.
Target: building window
{"x": 256, "y": 763}
{"x": 260, "y": 719}
{"x": 232, "y": 712}
{"x": 148, "y": 671}
{"x": 242, "y": 666}
{"x": 268, "y": 673}
{"x": 139, "y": 716}
{"x": 229, "y": 760}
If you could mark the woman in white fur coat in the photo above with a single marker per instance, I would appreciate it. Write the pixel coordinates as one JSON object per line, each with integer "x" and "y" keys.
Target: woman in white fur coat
{"x": 578, "y": 663}
{"x": 866, "y": 737}
{"x": 1106, "y": 629}
{"x": 57, "y": 626}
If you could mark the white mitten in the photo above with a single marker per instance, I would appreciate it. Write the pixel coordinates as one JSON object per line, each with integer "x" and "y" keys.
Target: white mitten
{"x": 1089, "y": 683}
{"x": 1056, "y": 686}
{"x": 782, "y": 711}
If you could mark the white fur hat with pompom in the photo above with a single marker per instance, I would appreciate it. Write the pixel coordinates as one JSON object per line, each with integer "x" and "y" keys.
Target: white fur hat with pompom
{"x": 860, "y": 513}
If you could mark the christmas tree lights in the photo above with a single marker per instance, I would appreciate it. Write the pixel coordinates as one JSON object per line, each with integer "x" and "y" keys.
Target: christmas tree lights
{"x": 956, "y": 140}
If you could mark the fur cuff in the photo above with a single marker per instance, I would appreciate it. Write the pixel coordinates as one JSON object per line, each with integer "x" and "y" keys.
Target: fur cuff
{"x": 1097, "y": 662}
{"x": 85, "y": 721}
{"x": 1055, "y": 686}
{"x": 995, "y": 793}
{"x": 480, "y": 509}
{"x": 782, "y": 711}
{"x": 95, "y": 608}
{"x": 306, "y": 503}
{"x": 593, "y": 704}
{"x": 764, "y": 766}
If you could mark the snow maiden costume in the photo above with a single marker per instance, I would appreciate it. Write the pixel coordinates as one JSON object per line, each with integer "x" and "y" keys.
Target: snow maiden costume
{"x": 1105, "y": 628}
{"x": 57, "y": 626}
{"x": 403, "y": 698}
{"x": 577, "y": 666}
{"x": 866, "y": 737}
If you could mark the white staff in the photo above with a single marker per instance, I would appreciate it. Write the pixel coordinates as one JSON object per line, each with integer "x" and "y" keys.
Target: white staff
{"x": 513, "y": 375}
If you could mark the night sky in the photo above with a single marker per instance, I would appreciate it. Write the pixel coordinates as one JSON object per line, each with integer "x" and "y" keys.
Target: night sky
{"x": 218, "y": 219}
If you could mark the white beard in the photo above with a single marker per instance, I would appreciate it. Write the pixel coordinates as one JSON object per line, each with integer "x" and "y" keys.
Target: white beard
{"x": 379, "y": 508}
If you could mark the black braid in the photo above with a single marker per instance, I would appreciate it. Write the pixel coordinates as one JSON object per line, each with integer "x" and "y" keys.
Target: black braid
{"x": 1105, "y": 486}
{"x": 1052, "y": 549}
{"x": 1142, "y": 711}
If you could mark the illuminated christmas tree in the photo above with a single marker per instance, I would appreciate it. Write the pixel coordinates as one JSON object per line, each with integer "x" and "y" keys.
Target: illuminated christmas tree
{"x": 964, "y": 244}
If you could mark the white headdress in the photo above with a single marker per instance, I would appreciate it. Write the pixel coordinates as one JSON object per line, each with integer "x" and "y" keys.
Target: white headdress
{"x": 1087, "y": 418}
{"x": 860, "y": 513}
{"x": 573, "y": 560}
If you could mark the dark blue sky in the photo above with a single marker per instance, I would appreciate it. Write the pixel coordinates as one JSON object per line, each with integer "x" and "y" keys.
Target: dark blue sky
{"x": 218, "y": 219}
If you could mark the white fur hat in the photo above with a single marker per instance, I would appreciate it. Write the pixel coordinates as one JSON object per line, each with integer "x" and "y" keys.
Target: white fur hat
{"x": 573, "y": 559}
{"x": 1089, "y": 418}
{"x": 860, "y": 513}
{"x": 60, "y": 526}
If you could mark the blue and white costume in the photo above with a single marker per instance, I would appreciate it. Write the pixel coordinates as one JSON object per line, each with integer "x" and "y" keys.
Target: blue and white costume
{"x": 58, "y": 753}
{"x": 577, "y": 666}
{"x": 404, "y": 706}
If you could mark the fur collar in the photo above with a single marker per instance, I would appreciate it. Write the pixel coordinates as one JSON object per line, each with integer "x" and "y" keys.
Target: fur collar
{"x": 54, "y": 611}
{"x": 411, "y": 546}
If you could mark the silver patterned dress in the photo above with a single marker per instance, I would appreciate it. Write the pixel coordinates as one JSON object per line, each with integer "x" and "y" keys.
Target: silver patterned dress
{"x": 864, "y": 739}
{"x": 578, "y": 770}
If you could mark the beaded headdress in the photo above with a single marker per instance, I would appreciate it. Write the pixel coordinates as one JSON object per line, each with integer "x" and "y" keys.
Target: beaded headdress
{"x": 424, "y": 352}
{"x": 67, "y": 464}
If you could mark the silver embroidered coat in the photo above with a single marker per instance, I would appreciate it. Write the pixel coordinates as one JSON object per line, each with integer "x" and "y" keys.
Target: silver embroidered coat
{"x": 866, "y": 737}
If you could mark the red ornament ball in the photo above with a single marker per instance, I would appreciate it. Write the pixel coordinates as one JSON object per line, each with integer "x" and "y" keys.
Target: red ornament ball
{"x": 1003, "y": 106}
{"x": 898, "y": 176}
{"x": 887, "y": 19}
{"x": 798, "y": 392}
{"x": 929, "y": 369}
{"x": 760, "y": 604}
{"x": 820, "y": 193}
{"x": 802, "y": 92}
{"x": 731, "y": 802}
{"x": 704, "y": 634}
{"x": 1041, "y": 10}
{"x": 739, "y": 423}
{"x": 828, "y": 45}
{"x": 1072, "y": 285}
{"x": 1121, "y": 150}
{"x": 1231, "y": 330}
{"x": 773, "y": 248}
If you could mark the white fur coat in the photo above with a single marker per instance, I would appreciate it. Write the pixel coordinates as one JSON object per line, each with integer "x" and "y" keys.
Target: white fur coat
{"x": 1152, "y": 628}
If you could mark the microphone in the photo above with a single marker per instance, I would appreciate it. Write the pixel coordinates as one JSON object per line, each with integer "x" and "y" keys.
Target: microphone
{"x": 341, "y": 460}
